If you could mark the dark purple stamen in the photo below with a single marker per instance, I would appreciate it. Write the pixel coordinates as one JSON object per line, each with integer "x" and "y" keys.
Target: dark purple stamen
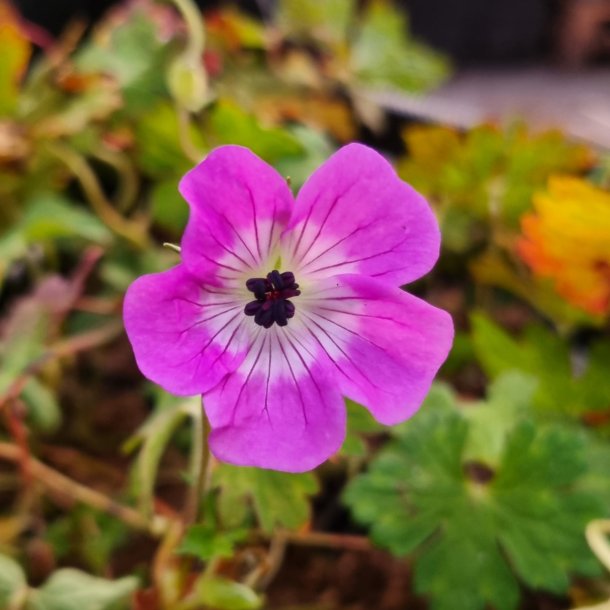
{"x": 272, "y": 294}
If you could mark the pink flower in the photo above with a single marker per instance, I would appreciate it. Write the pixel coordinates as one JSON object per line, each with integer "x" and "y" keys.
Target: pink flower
{"x": 280, "y": 308}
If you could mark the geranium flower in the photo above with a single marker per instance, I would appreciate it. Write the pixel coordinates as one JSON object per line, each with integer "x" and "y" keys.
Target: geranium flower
{"x": 280, "y": 308}
{"x": 567, "y": 239}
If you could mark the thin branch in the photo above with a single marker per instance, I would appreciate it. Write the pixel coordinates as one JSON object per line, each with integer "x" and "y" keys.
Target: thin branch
{"x": 325, "y": 540}
{"x": 133, "y": 231}
{"x": 58, "y": 483}
{"x": 129, "y": 181}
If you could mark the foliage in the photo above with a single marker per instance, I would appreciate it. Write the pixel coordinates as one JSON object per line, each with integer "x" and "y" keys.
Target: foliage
{"x": 545, "y": 356}
{"x": 488, "y": 498}
{"x": 290, "y": 509}
{"x": 67, "y": 589}
{"x": 483, "y": 498}
{"x": 487, "y": 174}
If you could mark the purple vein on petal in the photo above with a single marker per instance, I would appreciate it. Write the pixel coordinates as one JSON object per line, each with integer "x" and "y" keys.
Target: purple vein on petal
{"x": 256, "y": 261}
{"x": 296, "y": 383}
{"x": 228, "y": 250}
{"x": 315, "y": 258}
{"x": 313, "y": 379}
{"x": 204, "y": 320}
{"x": 330, "y": 210}
{"x": 200, "y": 352}
{"x": 346, "y": 356}
{"x": 253, "y": 203}
{"x": 359, "y": 260}
{"x": 303, "y": 228}
{"x": 247, "y": 380}
{"x": 226, "y": 347}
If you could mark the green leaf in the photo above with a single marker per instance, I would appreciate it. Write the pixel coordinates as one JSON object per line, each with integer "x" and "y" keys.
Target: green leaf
{"x": 475, "y": 527}
{"x": 326, "y": 22}
{"x": 488, "y": 173}
{"x": 205, "y": 542}
{"x": 159, "y": 153}
{"x": 134, "y": 53}
{"x": 51, "y": 216}
{"x": 224, "y": 594}
{"x": 289, "y": 509}
{"x": 546, "y": 357}
{"x": 70, "y": 589}
{"x": 383, "y": 56}
{"x": 441, "y": 574}
{"x": 229, "y": 124}
{"x": 509, "y": 398}
{"x": 316, "y": 147}
{"x": 360, "y": 423}
{"x": 168, "y": 207}
{"x": 43, "y": 410}
{"x": 12, "y": 581}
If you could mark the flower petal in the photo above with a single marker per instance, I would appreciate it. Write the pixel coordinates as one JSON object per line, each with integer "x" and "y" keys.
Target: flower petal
{"x": 354, "y": 215}
{"x": 280, "y": 410}
{"x": 185, "y": 338}
{"x": 239, "y": 207}
{"x": 386, "y": 345}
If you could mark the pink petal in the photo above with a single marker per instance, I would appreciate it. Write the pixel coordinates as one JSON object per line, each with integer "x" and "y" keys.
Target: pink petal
{"x": 354, "y": 215}
{"x": 239, "y": 207}
{"x": 280, "y": 410}
{"x": 386, "y": 345}
{"x": 185, "y": 338}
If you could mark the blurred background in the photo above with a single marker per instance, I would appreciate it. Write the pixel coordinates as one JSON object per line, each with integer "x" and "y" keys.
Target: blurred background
{"x": 497, "y": 493}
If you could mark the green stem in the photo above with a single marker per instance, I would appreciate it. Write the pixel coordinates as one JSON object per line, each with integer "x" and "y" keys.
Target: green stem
{"x": 200, "y": 466}
{"x": 134, "y": 231}
{"x": 194, "y": 24}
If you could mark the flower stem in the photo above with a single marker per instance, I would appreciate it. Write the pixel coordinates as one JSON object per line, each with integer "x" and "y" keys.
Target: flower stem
{"x": 199, "y": 470}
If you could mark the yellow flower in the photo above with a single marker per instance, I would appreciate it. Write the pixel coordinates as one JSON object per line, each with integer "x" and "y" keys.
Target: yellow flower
{"x": 567, "y": 239}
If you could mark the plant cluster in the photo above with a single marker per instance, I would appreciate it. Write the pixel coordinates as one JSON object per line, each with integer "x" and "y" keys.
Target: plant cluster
{"x": 108, "y": 498}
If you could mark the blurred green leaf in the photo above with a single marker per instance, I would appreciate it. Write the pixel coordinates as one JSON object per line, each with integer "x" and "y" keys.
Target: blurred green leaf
{"x": 474, "y": 517}
{"x": 205, "y": 542}
{"x": 43, "y": 410}
{"x": 359, "y": 424}
{"x": 134, "y": 53}
{"x": 382, "y": 55}
{"x": 50, "y": 216}
{"x": 158, "y": 149}
{"x": 229, "y": 124}
{"x": 488, "y": 172}
{"x": 545, "y": 356}
{"x": 493, "y": 269}
{"x": 12, "y": 581}
{"x": 168, "y": 207}
{"x": 70, "y": 589}
{"x": 326, "y": 22}
{"x": 316, "y": 147}
{"x": 224, "y": 594}
{"x": 290, "y": 508}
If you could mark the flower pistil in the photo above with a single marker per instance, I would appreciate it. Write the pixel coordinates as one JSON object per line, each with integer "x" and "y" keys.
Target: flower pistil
{"x": 272, "y": 294}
